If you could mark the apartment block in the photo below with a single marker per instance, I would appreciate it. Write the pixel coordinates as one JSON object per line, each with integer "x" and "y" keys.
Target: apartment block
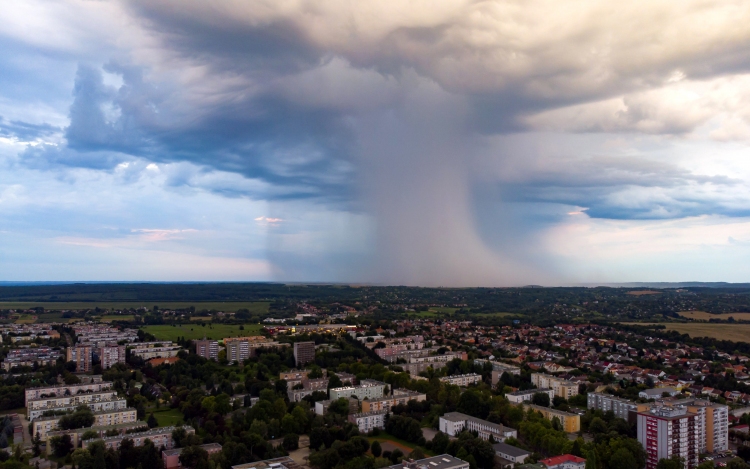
{"x": 415, "y": 368}
{"x": 111, "y": 404}
{"x": 564, "y": 461}
{"x": 462, "y": 380}
{"x": 293, "y": 377}
{"x": 399, "y": 396}
{"x": 242, "y": 348}
{"x": 159, "y": 436}
{"x": 70, "y": 400}
{"x": 368, "y": 388}
{"x": 151, "y": 350}
{"x": 207, "y": 349}
{"x": 570, "y": 422}
{"x": 519, "y": 397}
{"x": 321, "y": 407}
{"x": 82, "y": 356}
{"x": 76, "y": 434}
{"x": 44, "y": 425}
{"x": 712, "y": 422}
{"x": 499, "y": 367}
{"x": 444, "y": 461}
{"x": 669, "y": 431}
{"x": 454, "y": 423}
{"x": 304, "y": 353}
{"x": 66, "y": 389}
{"x": 110, "y": 355}
{"x": 367, "y": 421}
{"x": 622, "y": 408}
{"x": 171, "y": 457}
{"x": 30, "y": 356}
{"x": 562, "y": 388}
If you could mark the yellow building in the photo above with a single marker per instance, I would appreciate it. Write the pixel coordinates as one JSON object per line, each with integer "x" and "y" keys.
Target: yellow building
{"x": 44, "y": 425}
{"x": 571, "y": 423}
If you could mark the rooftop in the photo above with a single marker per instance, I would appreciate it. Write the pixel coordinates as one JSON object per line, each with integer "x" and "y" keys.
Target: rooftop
{"x": 508, "y": 449}
{"x": 554, "y": 461}
{"x": 444, "y": 461}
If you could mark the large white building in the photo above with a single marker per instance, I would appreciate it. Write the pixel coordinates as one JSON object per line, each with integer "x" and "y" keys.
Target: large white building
{"x": 669, "y": 431}
{"x": 454, "y": 423}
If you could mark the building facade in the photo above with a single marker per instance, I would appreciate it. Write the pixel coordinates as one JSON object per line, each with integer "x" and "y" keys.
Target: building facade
{"x": 462, "y": 380}
{"x": 367, "y": 389}
{"x": 519, "y": 397}
{"x": 366, "y": 421}
{"x": 82, "y": 356}
{"x": 304, "y": 353}
{"x": 454, "y": 423}
{"x": 561, "y": 387}
{"x": 669, "y": 431}
{"x": 110, "y": 355}
{"x": 208, "y": 349}
{"x": 570, "y": 422}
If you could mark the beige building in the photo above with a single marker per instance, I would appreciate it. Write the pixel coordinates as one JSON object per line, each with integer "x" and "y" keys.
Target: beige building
{"x": 158, "y": 436}
{"x": 67, "y": 389}
{"x": 82, "y": 356}
{"x": 77, "y": 433}
{"x": 399, "y": 396}
{"x": 45, "y": 425}
{"x": 561, "y": 387}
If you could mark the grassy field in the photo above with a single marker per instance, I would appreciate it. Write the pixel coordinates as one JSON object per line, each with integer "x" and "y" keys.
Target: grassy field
{"x": 229, "y": 306}
{"x": 167, "y": 417}
{"x": 733, "y": 332}
{"x": 644, "y": 292}
{"x": 702, "y": 315}
{"x": 117, "y": 317}
{"x": 403, "y": 445}
{"x": 26, "y": 319}
{"x": 196, "y": 331}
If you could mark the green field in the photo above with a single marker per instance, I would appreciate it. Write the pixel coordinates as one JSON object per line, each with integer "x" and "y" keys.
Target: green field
{"x": 733, "y": 332}
{"x": 116, "y": 317}
{"x": 196, "y": 331}
{"x": 228, "y": 306}
{"x": 167, "y": 417}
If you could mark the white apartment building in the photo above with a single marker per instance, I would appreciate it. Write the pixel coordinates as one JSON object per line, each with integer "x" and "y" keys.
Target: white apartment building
{"x": 43, "y": 425}
{"x": 366, "y": 421}
{"x": 66, "y": 389}
{"x": 71, "y": 400}
{"x": 518, "y": 397}
{"x": 112, "y": 404}
{"x": 367, "y": 389}
{"x": 462, "y": 380}
{"x": 454, "y": 423}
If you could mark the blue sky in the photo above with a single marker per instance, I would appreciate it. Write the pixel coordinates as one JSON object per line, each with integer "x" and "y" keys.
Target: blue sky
{"x": 424, "y": 143}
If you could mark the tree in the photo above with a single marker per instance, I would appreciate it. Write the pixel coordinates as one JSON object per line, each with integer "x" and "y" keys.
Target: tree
{"x": 623, "y": 459}
{"x": 396, "y": 456}
{"x": 152, "y": 422}
{"x": 706, "y": 465}
{"x": 540, "y": 399}
{"x": 339, "y": 406}
{"x": 37, "y": 446}
{"x": 597, "y": 425}
{"x": 291, "y": 441}
{"x": 440, "y": 443}
{"x": 82, "y": 417}
{"x": 592, "y": 460}
{"x": 675, "y": 462}
{"x": 376, "y": 449}
{"x": 192, "y": 456}
{"x": 61, "y": 445}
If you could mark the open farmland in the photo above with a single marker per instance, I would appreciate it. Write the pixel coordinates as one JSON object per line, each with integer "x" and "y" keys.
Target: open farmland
{"x": 704, "y": 316}
{"x": 733, "y": 332}
{"x": 229, "y": 306}
{"x": 193, "y": 331}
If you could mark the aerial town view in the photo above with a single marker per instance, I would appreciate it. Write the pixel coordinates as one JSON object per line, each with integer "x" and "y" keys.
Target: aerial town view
{"x": 324, "y": 377}
{"x": 390, "y": 234}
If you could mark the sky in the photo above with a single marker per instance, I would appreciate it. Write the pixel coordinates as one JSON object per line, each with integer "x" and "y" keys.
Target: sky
{"x": 410, "y": 142}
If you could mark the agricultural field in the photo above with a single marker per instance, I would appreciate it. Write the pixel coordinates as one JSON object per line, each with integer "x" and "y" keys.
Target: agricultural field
{"x": 644, "y": 292}
{"x": 197, "y": 331}
{"x": 116, "y": 317}
{"x": 733, "y": 332}
{"x": 704, "y": 316}
{"x": 228, "y": 306}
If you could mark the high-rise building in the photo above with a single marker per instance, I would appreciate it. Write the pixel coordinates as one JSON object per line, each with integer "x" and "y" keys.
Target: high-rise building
{"x": 304, "y": 352}
{"x": 207, "y": 348}
{"x": 669, "y": 431}
{"x": 82, "y": 356}
{"x": 111, "y": 354}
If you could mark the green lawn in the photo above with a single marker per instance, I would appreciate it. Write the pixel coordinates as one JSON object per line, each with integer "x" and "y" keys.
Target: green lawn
{"x": 167, "y": 417}
{"x": 227, "y": 306}
{"x": 197, "y": 331}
